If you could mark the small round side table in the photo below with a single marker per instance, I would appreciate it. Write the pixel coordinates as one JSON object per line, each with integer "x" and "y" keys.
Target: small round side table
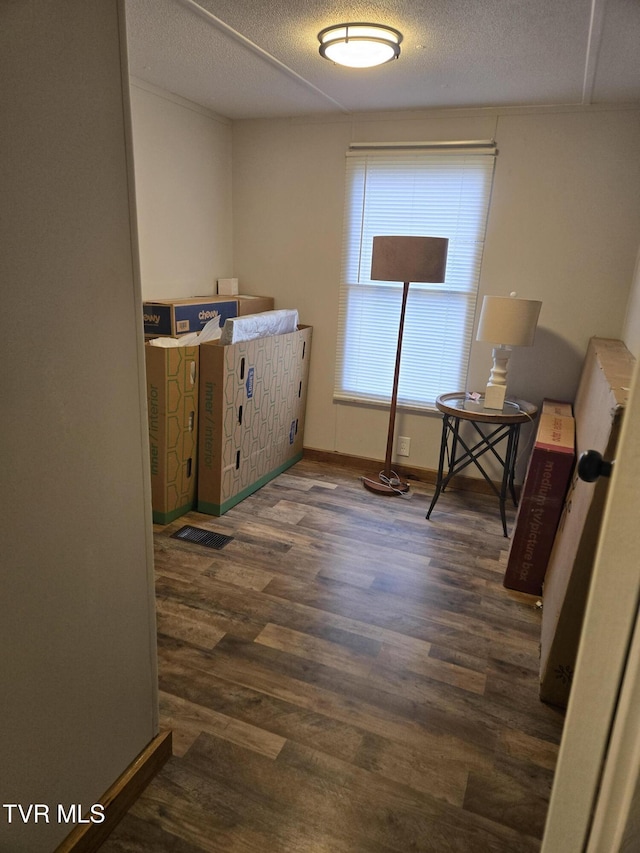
{"x": 492, "y": 427}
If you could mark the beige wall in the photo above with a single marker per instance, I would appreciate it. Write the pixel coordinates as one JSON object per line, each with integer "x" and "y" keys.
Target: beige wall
{"x": 563, "y": 228}
{"x": 182, "y": 156}
{"x": 77, "y": 626}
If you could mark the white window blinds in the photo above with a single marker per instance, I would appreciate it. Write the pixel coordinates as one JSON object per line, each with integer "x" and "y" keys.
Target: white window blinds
{"x": 434, "y": 193}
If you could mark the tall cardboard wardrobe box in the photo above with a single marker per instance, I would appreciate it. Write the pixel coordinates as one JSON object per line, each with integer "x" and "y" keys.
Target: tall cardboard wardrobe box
{"x": 172, "y": 405}
{"x": 253, "y": 397}
{"x": 599, "y": 407}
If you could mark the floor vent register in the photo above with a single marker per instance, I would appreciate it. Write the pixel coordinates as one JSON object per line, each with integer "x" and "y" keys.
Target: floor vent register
{"x": 202, "y": 537}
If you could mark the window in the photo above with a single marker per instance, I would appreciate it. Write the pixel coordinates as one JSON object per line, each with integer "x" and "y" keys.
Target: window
{"x": 434, "y": 193}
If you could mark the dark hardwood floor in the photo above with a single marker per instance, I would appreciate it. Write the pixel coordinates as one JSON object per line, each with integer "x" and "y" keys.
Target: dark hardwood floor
{"x": 346, "y": 677}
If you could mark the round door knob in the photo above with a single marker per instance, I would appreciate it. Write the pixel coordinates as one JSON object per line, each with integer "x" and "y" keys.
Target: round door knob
{"x": 591, "y": 465}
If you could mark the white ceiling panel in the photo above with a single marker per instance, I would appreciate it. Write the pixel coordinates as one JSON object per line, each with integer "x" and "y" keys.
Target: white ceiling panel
{"x": 259, "y": 58}
{"x": 178, "y": 50}
{"x": 618, "y": 67}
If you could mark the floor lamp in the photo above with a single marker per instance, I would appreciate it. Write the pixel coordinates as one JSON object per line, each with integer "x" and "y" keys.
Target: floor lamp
{"x": 405, "y": 259}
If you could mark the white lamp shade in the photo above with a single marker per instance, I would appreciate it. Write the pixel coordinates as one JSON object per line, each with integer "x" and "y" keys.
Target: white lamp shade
{"x": 508, "y": 320}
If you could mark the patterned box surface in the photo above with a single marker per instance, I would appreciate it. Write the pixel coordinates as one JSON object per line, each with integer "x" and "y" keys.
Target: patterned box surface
{"x": 252, "y": 407}
{"x": 172, "y": 402}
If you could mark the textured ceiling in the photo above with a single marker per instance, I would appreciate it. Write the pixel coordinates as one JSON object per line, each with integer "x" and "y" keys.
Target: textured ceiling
{"x": 259, "y": 58}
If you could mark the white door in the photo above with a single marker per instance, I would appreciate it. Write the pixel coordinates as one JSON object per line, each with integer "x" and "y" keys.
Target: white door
{"x": 595, "y": 801}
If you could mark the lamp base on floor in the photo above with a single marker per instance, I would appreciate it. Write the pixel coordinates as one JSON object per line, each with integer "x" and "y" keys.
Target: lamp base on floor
{"x": 395, "y": 486}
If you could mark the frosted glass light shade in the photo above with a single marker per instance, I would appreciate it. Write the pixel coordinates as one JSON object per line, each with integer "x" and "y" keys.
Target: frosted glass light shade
{"x": 508, "y": 320}
{"x": 359, "y": 45}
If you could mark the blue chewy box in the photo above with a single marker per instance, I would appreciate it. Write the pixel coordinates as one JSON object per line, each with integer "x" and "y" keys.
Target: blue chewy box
{"x": 180, "y": 316}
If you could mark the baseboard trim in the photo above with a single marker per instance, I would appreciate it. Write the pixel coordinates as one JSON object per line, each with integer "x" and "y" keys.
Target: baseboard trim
{"x": 422, "y": 475}
{"x": 119, "y": 798}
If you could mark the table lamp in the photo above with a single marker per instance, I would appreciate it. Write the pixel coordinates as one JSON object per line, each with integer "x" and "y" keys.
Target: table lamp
{"x": 405, "y": 259}
{"x": 506, "y": 322}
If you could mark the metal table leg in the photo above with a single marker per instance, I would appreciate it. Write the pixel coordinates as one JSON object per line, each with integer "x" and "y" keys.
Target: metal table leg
{"x": 443, "y": 450}
{"x": 471, "y": 455}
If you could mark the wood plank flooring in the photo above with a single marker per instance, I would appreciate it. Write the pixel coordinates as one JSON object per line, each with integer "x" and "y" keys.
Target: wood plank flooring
{"x": 346, "y": 677}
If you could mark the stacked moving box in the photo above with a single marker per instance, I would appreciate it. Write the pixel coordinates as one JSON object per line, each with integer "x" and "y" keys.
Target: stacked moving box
{"x": 223, "y": 420}
{"x": 172, "y": 404}
{"x": 252, "y": 407}
{"x": 180, "y": 316}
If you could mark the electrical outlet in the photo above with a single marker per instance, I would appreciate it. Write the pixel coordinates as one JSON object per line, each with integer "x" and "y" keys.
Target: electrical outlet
{"x": 404, "y": 445}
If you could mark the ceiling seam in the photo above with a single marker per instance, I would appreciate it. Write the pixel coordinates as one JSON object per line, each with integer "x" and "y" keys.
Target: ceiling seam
{"x": 594, "y": 41}
{"x": 181, "y": 101}
{"x": 259, "y": 51}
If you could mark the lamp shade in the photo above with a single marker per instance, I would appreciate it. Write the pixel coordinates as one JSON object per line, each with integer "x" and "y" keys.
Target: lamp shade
{"x": 409, "y": 259}
{"x": 508, "y": 320}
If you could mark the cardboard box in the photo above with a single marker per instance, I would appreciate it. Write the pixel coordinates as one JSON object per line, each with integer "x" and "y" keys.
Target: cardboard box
{"x": 541, "y": 501}
{"x": 227, "y": 287}
{"x": 252, "y": 409}
{"x": 599, "y": 408}
{"x": 557, "y": 407}
{"x": 172, "y": 403}
{"x": 175, "y": 317}
{"x": 253, "y": 304}
{"x": 179, "y": 316}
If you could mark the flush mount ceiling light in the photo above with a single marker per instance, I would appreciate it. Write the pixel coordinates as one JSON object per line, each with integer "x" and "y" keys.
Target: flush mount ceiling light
{"x": 359, "y": 45}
